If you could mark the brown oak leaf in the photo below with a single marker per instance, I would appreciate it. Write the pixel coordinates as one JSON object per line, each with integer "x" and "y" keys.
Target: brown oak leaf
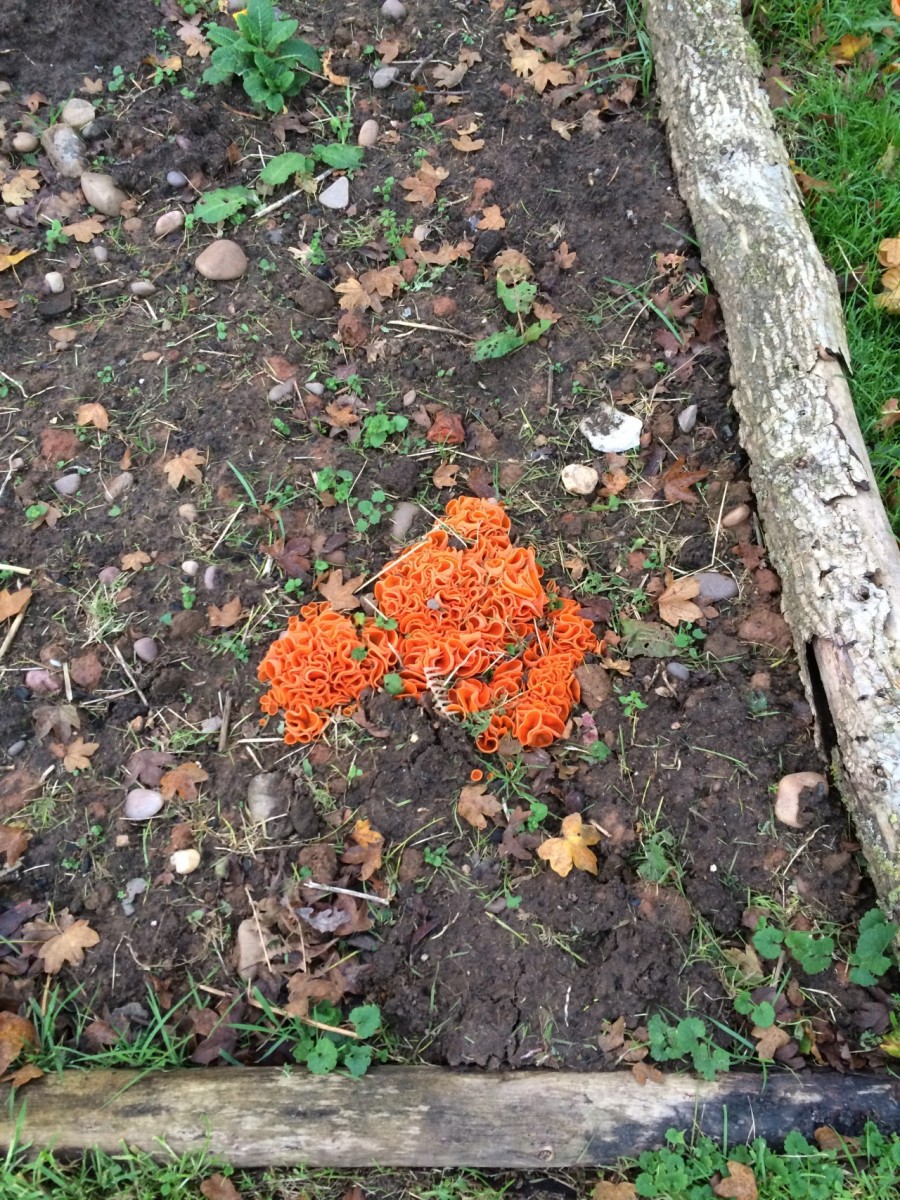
{"x": 13, "y": 843}
{"x": 15, "y": 1034}
{"x": 676, "y": 602}
{"x": 677, "y": 480}
{"x": 421, "y": 188}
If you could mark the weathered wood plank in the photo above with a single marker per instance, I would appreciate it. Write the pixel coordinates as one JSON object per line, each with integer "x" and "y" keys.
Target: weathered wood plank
{"x": 428, "y": 1117}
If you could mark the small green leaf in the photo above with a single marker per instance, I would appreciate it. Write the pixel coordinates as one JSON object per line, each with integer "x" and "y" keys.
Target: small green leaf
{"x": 507, "y": 341}
{"x": 517, "y": 298}
{"x": 393, "y": 685}
{"x": 358, "y": 1059}
{"x": 222, "y": 203}
{"x": 323, "y": 1057}
{"x": 342, "y": 158}
{"x": 365, "y": 1019}
{"x": 280, "y": 168}
{"x": 767, "y": 940}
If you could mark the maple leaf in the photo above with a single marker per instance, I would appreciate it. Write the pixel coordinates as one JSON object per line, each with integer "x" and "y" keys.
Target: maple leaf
{"x": 147, "y": 766}
{"x": 18, "y": 188}
{"x": 367, "y": 851}
{"x": 445, "y": 475}
{"x": 492, "y": 218}
{"x": 12, "y": 603}
{"x": 545, "y": 312}
{"x": 676, "y": 602}
{"x": 92, "y": 87}
{"x": 184, "y": 466}
{"x": 13, "y": 843}
{"x": 197, "y": 46}
{"x": 354, "y": 295}
{"x": 382, "y": 282}
{"x": 572, "y": 848}
{"x": 738, "y": 1184}
{"x": 550, "y": 72}
{"x": 421, "y": 188}
{"x": 536, "y": 8}
{"x": 217, "y": 1187}
{"x": 475, "y": 805}
{"x": 60, "y": 719}
{"x": 15, "y": 1034}
{"x": 67, "y": 946}
{"x": 340, "y": 595}
{"x": 449, "y": 77}
{"x": 444, "y": 255}
{"x": 768, "y": 1040}
{"x": 848, "y": 48}
{"x": 182, "y": 781}
{"x": 677, "y": 479}
{"x": 564, "y": 257}
{"x": 86, "y": 230}
{"x": 226, "y": 616}
{"x": 340, "y": 416}
{"x": 134, "y": 560}
{"x": 467, "y": 144}
{"x": 77, "y": 755}
{"x": 523, "y": 62}
{"x": 92, "y": 414}
{"x": 9, "y": 259}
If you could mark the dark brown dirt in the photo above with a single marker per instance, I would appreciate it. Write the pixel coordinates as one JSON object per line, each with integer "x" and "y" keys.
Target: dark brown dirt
{"x": 485, "y": 959}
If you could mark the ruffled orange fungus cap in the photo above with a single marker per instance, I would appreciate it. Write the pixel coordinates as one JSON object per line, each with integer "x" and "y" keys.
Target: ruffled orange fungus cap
{"x": 474, "y": 627}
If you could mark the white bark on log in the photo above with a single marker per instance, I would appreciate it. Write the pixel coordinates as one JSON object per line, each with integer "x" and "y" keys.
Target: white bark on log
{"x": 427, "y": 1116}
{"x": 826, "y": 530}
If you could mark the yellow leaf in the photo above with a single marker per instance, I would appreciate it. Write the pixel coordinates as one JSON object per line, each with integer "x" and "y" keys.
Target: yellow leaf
{"x": 85, "y": 231}
{"x": 550, "y": 72}
{"x": 572, "y": 849}
{"x": 77, "y": 755}
{"x": 16, "y": 190}
{"x": 94, "y": 414}
{"x": 492, "y": 218}
{"x": 134, "y": 560}
{"x": 8, "y": 259}
{"x": 738, "y": 1184}
{"x": 185, "y": 465}
{"x": 466, "y": 144}
{"x": 849, "y": 47}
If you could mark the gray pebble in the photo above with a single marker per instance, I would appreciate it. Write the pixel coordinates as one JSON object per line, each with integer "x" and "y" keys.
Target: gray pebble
{"x": 55, "y": 282}
{"x": 141, "y": 287}
{"x": 68, "y": 485}
{"x": 715, "y": 587}
{"x": 281, "y": 391}
{"x": 118, "y": 486}
{"x": 175, "y": 179}
{"x": 24, "y": 142}
{"x": 687, "y": 418}
{"x": 100, "y": 253}
{"x": 142, "y": 803}
{"x": 108, "y": 575}
{"x": 77, "y": 113}
{"x": 211, "y": 578}
{"x": 264, "y": 798}
{"x": 336, "y": 195}
{"x": 146, "y": 649}
{"x": 65, "y": 149}
{"x": 16, "y": 748}
{"x": 317, "y": 389}
{"x": 678, "y": 671}
{"x": 393, "y": 10}
{"x": 190, "y": 567}
{"x": 169, "y": 222}
{"x": 384, "y": 77}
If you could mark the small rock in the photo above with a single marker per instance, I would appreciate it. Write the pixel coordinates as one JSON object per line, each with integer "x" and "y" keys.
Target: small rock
{"x": 56, "y": 306}
{"x": 687, "y": 418}
{"x": 368, "y": 133}
{"x": 185, "y": 861}
{"x": 444, "y": 306}
{"x": 736, "y": 516}
{"x": 222, "y": 260}
{"x": 94, "y": 130}
{"x": 67, "y": 485}
{"x": 715, "y": 587}
{"x": 146, "y": 649}
{"x": 314, "y": 298}
{"x": 142, "y": 803}
{"x": 402, "y": 519}
{"x": 176, "y": 179}
{"x": 25, "y": 142}
{"x": 611, "y": 431}
{"x": 265, "y": 798}
{"x": 55, "y": 282}
{"x": 40, "y": 681}
{"x": 188, "y": 512}
{"x": 133, "y": 888}
{"x": 65, "y": 149}
{"x": 141, "y": 287}
{"x": 579, "y": 479}
{"x": 337, "y": 194}
{"x": 384, "y": 77}
{"x": 317, "y": 389}
{"x": 677, "y": 670}
{"x": 190, "y": 567}
{"x": 169, "y": 222}
{"x": 100, "y": 253}
{"x": 77, "y": 113}
{"x": 101, "y": 193}
{"x": 108, "y": 575}
{"x": 393, "y": 10}
{"x": 280, "y": 391}
{"x": 788, "y": 795}
{"x": 16, "y": 748}
{"x": 211, "y": 578}
{"x": 118, "y": 486}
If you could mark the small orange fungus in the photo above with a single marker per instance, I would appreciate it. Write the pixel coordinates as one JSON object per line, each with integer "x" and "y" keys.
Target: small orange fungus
{"x": 476, "y": 776}
{"x": 474, "y": 627}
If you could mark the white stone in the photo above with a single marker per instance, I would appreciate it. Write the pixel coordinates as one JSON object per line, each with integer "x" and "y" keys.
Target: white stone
{"x": 24, "y": 142}
{"x": 55, "y": 282}
{"x": 384, "y": 77}
{"x": 65, "y": 149}
{"x": 169, "y": 222}
{"x": 146, "y": 649}
{"x": 142, "y": 803}
{"x": 579, "y": 479}
{"x": 611, "y": 431}
{"x": 221, "y": 260}
{"x": 101, "y": 193}
{"x": 368, "y": 133}
{"x": 394, "y": 10}
{"x": 141, "y": 287}
{"x": 337, "y": 194}
{"x": 77, "y": 113}
{"x": 736, "y": 516}
{"x": 190, "y": 567}
{"x": 185, "y": 861}
{"x": 68, "y": 485}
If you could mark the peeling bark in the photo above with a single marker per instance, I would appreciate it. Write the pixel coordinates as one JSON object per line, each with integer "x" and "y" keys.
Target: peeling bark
{"x": 826, "y": 530}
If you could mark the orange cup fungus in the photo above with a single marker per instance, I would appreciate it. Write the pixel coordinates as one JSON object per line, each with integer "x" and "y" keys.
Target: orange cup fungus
{"x": 471, "y": 624}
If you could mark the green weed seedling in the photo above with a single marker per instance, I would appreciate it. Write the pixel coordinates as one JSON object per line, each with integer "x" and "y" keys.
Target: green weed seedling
{"x": 380, "y": 425}
{"x": 263, "y": 53}
{"x": 868, "y": 961}
{"x": 689, "y": 1039}
{"x": 812, "y": 952}
{"x": 322, "y": 1052}
{"x": 338, "y": 484}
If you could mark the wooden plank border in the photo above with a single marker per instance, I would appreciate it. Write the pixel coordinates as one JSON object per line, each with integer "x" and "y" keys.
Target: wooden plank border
{"x": 428, "y": 1116}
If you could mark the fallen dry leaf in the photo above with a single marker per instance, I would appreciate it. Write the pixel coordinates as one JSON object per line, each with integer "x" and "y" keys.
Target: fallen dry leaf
{"x": 889, "y": 252}
{"x": 769, "y": 1040}
{"x": 447, "y": 429}
{"x": 476, "y": 804}
{"x": 92, "y": 414}
{"x": 197, "y": 46}
{"x": 24, "y": 1075}
{"x": 9, "y": 259}
{"x": 77, "y": 755}
{"x": 226, "y": 616}
{"x": 340, "y": 595}
{"x": 12, "y": 603}
{"x": 185, "y": 465}
{"x": 17, "y": 789}
{"x": 848, "y": 48}
{"x": 738, "y": 1184}
{"x": 421, "y": 188}
{"x": 18, "y": 188}
{"x": 550, "y": 73}
{"x": 86, "y": 230}
{"x": 466, "y": 144}
{"x": 182, "y": 781}
{"x": 217, "y": 1187}
{"x": 6, "y": 309}
{"x": 564, "y": 257}
{"x": 354, "y": 296}
{"x": 367, "y": 851}
{"x": 15, "y": 1034}
{"x": 449, "y": 77}
{"x": 572, "y": 848}
{"x": 676, "y": 481}
{"x": 91, "y": 87}
{"x": 13, "y": 843}
{"x": 337, "y": 80}
{"x": 492, "y": 218}
{"x": 69, "y": 945}
{"x": 512, "y": 265}
{"x": 676, "y": 602}
{"x": 134, "y": 560}
{"x": 445, "y": 475}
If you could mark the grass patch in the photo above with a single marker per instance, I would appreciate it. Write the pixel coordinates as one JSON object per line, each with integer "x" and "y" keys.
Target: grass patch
{"x": 842, "y": 129}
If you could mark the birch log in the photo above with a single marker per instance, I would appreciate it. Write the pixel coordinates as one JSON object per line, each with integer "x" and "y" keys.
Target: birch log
{"x": 826, "y": 530}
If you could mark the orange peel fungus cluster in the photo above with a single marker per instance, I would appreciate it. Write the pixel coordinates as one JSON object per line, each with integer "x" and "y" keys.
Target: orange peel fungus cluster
{"x": 463, "y": 615}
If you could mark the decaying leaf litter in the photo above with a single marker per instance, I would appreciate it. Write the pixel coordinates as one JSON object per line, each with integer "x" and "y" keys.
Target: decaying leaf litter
{"x": 188, "y": 457}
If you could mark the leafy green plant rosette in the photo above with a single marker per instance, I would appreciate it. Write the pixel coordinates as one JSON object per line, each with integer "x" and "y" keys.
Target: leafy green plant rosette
{"x": 262, "y": 51}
